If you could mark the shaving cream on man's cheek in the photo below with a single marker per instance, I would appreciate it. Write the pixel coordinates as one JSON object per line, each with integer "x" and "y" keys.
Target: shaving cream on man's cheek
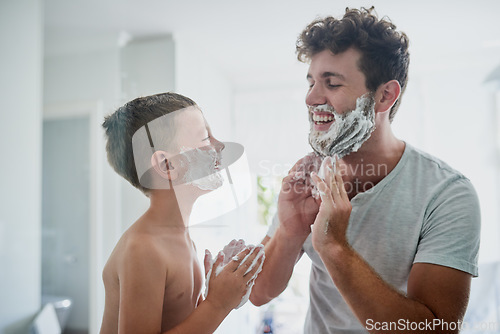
{"x": 348, "y": 130}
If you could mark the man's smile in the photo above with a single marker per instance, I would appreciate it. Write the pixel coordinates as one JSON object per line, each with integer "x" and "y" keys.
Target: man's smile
{"x": 322, "y": 120}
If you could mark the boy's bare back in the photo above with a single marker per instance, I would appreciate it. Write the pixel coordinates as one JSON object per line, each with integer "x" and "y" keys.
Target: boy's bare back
{"x": 153, "y": 274}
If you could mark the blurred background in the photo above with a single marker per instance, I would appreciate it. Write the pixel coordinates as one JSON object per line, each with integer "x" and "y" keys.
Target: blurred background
{"x": 65, "y": 64}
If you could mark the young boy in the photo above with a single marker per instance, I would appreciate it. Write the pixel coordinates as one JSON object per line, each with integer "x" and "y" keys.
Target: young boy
{"x": 153, "y": 279}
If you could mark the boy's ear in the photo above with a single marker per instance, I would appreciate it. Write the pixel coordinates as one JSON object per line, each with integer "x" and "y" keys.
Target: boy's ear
{"x": 387, "y": 94}
{"x": 161, "y": 164}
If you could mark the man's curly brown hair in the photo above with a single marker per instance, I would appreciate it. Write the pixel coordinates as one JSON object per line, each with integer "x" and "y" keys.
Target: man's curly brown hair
{"x": 384, "y": 51}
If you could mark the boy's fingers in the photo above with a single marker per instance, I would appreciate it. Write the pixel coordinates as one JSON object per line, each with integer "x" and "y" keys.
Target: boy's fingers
{"x": 250, "y": 260}
{"x": 218, "y": 260}
{"x": 207, "y": 262}
{"x": 256, "y": 264}
{"x": 237, "y": 259}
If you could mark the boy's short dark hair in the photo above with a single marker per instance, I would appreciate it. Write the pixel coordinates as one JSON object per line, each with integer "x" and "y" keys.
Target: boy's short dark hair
{"x": 384, "y": 51}
{"x": 126, "y": 120}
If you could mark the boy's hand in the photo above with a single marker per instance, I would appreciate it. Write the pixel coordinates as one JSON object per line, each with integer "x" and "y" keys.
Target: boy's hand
{"x": 229, "y": 286}
{"x": 230, "y": 250}
{"x": 207, "y": 262}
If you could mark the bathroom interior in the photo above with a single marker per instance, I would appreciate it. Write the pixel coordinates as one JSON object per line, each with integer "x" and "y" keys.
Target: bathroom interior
{"x": 71, "y": 63}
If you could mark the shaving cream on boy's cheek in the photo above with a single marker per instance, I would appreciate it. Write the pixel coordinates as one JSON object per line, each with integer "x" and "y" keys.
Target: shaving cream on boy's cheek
{"x": 201, "y": 168}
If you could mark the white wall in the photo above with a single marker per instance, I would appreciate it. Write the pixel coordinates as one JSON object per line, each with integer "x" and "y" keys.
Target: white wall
{"x": 198, "y": 77}
{"x": 20, "y": 146}
{"x": 450, "y": 112}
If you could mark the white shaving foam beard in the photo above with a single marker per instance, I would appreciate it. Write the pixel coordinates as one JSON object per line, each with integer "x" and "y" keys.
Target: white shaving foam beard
{"x": 348, "y": 131}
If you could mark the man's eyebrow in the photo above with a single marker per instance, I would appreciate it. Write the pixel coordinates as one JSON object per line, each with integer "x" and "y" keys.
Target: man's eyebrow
{"x": 327, "y": 74}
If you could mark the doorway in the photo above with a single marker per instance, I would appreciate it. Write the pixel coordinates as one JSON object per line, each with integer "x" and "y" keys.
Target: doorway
{"x": 65, "y": 218}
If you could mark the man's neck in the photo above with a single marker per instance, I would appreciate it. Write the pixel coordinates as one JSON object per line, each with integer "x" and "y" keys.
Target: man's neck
{"x": 375, "y": 160}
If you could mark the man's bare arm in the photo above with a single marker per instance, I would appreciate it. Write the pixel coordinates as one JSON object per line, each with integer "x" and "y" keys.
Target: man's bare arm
{"x": 297, "y": 210}
{"x": 281, "y": 256}
{"x": 436, "y": 294}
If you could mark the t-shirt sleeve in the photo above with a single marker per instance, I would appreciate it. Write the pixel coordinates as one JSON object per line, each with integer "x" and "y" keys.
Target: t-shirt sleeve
{"x": 451, "y": 230}
{"x": 274, "y": 226}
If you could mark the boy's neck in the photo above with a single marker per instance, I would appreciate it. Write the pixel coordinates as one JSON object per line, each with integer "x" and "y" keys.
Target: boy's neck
{"x": 166, "y": 208}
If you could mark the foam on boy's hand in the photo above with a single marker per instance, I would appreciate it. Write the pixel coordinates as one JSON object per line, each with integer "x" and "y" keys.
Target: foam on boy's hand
{"x": 230, "y": 252}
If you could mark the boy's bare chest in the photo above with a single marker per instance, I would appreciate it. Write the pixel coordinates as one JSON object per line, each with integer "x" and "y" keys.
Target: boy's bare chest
{"x": 182, "y": 286}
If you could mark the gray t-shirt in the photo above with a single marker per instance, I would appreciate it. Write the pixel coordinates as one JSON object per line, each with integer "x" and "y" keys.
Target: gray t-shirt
{"x": 422, "y": 211}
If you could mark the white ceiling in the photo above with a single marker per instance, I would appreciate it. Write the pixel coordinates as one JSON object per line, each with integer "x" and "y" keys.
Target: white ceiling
{"x": 253, "y": 42}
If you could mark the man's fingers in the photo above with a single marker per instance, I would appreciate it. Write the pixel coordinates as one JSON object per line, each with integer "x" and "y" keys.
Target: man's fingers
{"x": 307, "y": 164}
{"x": 294, "y": 183}
{"x": 341, "y": 187}
{"x": 324, "y": 191}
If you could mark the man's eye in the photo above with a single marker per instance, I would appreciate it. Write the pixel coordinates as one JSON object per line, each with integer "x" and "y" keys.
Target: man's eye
{"x": 333, "y": 86}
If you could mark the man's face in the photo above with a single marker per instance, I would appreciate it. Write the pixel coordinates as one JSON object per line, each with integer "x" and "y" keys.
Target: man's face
{"x": 341, "y": 109}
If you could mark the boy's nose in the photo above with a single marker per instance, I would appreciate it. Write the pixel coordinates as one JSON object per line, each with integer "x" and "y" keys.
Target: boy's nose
{"x": 219, "y": 146}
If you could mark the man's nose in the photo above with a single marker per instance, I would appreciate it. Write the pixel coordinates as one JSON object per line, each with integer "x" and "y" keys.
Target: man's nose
{"x": 316, "y": 96}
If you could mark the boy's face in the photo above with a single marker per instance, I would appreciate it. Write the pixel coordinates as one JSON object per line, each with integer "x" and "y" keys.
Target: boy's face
{"x": 199, "y": 150}
{"x": 191, "y": 130}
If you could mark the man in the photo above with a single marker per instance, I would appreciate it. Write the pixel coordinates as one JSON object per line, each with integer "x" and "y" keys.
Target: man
{"x": 395, "y": 235}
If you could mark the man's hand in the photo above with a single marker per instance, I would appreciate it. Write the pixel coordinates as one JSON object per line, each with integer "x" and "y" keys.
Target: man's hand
{"x": 297, "y": 208}
{"x": 331, "y": 223}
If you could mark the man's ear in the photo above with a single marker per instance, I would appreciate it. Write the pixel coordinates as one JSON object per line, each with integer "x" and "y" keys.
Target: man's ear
{"x": 162, "y": 166}
{"x": 387, "y": 94}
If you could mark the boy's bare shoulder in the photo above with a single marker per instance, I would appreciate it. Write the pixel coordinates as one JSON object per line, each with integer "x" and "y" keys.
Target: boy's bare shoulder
{"x": 137, "y": 248}
{"x": 138, "y": 244}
